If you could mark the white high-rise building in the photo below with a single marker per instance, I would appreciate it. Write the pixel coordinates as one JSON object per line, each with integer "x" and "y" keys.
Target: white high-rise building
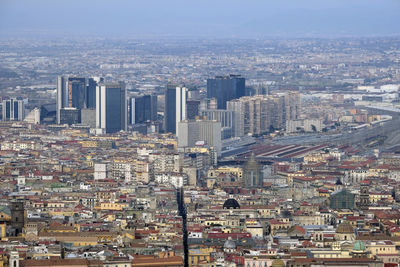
{"x": 33, "y": 116}
{"x": 181, "y": 94}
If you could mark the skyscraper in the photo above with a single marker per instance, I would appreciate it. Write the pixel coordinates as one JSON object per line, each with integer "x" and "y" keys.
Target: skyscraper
{"x": 111, "y": 107}
{"x": 75, "y": 92}
{"x": 292, "y": 105}
{"x": 225, "y": 88}
{"x": 71, "y": 93}
{"x": 13, "y": 110}
{"x": 143, "y": 109}
{"x": 91, "y": 91}
{"x": 175, "y": 107}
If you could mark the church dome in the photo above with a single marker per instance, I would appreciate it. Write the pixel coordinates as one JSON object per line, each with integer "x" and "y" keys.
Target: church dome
{"x": 345, "y": 228}
{"x": 229, "y": 244}
{"x": 252, "y": 163}
{"x": 359, "y": 246}
{"x": 278, "y": 263}
{"x": 231, "y": 204}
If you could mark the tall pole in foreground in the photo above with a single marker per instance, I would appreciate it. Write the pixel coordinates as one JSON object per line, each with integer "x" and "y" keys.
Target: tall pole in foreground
{"x": 182, "y": 212}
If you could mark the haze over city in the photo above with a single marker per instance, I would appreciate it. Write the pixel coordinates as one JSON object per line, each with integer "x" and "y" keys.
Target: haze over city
{"x": 207, "y": 19}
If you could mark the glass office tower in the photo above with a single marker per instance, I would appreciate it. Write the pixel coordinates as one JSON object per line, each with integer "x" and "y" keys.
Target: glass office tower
{"x": 225, "y": 88}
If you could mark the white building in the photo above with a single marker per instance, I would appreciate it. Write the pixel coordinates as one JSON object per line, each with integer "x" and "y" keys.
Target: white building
{"x": 122, "y": 170}
{"x": 100, "y": 171}
{"x": 20, "y": 145}
{"x": 175, "y": 179}
{"x": 308, "y": 125}
{"x": 33, "y": 116}
{"x": 163, "y": 162}
{"x": 181, "y": 95}
{"x": 208, "y": 131}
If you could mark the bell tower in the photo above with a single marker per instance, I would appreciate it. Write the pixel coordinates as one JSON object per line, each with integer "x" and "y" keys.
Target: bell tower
{"x": 364, "y": 194}
{"x": 17, "y": 216}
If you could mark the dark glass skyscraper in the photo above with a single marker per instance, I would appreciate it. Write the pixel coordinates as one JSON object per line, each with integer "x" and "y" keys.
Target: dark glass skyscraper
{"x": 175, "y": 107}
{"x": 170, "y": 109}
{"x": 111, "y": 108}
{"x": 225, "y": 88}
{"x": 91, "y": 93}
{"x": 143, "y": 109}
{"x": 76, "y": 93}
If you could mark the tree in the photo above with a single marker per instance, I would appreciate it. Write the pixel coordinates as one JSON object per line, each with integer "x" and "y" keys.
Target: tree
{"x": 314, "y": 129}
{"x": 271, "y": 128}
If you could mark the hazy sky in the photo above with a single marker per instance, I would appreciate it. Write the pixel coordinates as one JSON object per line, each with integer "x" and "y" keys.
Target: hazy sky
{"x": 202, "y": 18}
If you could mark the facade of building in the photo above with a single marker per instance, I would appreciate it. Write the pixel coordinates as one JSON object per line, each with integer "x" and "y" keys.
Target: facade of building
{"x": 111, "y": 108}
{"x": 341, "y": 199}
{"x": 192, "y": 109}
{"x": 71, "y": 93}
{"x": 307, "y": 125}
{"x": 13, "y": 110}
{"x": 252, "y": 173}
{"x": 225, "y": 117}
{"x": 33, "y": 116}
{"x": 225, "y": 88}
{"x": 191, "y": 132}
{"x": 292, "y": 103}
{"x": 88, "y": 117}
{"x": 143, "y": 109}
{"x": 257, "y": 114}
{"x": 75, "y": 92}
{"x": 208, "y": 104}
{"x": 263, "y": 113}
{"x": 70, "y": 116}
{"x": 175, "y": 107}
